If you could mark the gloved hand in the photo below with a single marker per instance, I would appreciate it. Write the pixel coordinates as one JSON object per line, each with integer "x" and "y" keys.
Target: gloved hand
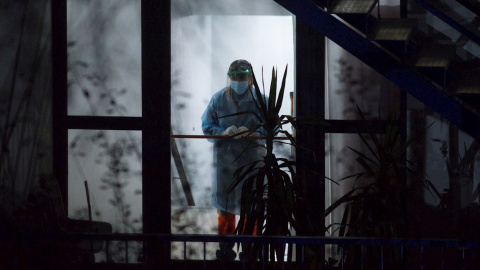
{"x": 242, "y": 130}
{"x": 230, "y": 131}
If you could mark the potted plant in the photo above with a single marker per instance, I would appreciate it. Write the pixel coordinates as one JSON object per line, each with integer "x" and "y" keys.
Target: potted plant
{"x": 460, "y": 193}
{"x": 457, "y": 215}
{"x": 372, "y": 207}
{"x": 269, "y": 192}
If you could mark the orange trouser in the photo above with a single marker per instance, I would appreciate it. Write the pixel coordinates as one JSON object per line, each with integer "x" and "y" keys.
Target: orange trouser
{"x": 226, "y": 223}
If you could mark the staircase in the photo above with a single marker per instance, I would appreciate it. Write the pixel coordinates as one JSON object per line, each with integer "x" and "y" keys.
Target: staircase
{"x": 433, "y": 54}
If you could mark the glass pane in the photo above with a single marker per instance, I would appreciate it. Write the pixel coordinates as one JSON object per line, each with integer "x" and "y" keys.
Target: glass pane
{"x": 339, "y": 163}
{"x": 111, "y": 163}
{"x": 450, "y": 158}
{"x": 436, "y": 154}
{"x": 104, "y": 58}
{"x": 203, "y": 46}
{"x": 452, "y": 166}
{"x": 347, "y": 88}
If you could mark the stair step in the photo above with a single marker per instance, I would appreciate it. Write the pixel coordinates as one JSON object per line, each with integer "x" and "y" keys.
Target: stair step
{"x": 468, "y": 88}
{"x": 432, "y": 62}
{"x": 352, "y": 6}
{"x": 435, "y": 57}
{"x": 400, "y": 73}
{"x": 393, "y": 29}
{"x": 469, "y": 83}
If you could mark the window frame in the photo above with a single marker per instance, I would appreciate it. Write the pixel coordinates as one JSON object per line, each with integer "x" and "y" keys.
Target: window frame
{"x": 154, "y": 122}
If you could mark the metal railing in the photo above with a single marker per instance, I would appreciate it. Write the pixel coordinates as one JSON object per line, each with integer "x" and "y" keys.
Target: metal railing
{"x": 411, "y": 253}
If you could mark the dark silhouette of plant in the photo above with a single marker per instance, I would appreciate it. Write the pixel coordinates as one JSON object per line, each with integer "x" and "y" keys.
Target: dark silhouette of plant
{"x": 25, "y": 135}
{"x": 354, "y": 89}
{"x": 268, "y": 193}
{"x": 461, "y": 188}
{"x": 184, "y": 222}
{"x": 24, "y": 113}
{"x": 89, "y": 79}
{"x": 116, "y": 179}
{"x": 115, "y": 156}
{"x": 375, "y": 206}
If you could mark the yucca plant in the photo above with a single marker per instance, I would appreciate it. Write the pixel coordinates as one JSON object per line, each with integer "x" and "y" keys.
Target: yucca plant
{"x": 374, "y": 208}
{"x": 457, "y": 206}
{"x": 268, "y": 195}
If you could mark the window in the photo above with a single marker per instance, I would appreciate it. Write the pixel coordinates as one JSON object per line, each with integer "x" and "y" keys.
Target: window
{"x": 110, "y": 105}
{"x": 205, "y": 40}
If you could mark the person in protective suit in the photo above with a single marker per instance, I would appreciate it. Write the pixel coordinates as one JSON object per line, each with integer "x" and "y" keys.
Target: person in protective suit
{"x": 230, "y": 154}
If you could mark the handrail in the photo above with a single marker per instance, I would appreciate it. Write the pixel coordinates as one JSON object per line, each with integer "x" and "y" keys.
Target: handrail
{"x": 450, "y": 21}
{"x": 153, "y": 244}
{"x": 178, "y": 136}
{"x": 302, "y": 240}
{"x": 398, "y": 72}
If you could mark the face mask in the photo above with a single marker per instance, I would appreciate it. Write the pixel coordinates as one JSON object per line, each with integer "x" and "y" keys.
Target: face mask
{"x": 240, "y": 87}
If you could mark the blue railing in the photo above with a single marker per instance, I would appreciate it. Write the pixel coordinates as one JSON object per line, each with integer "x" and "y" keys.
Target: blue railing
{"x": 385, "y": 64}
{"x": 449, "y": 20}
{"x": 407, "y": 249}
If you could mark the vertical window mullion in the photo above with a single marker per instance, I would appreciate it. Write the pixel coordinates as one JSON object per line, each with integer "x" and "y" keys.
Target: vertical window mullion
{"x": 59, "y": 95}
{"x": 156, "y": 67}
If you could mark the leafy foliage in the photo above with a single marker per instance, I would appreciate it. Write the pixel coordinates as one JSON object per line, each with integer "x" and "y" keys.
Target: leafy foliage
{"x": 374, "y": 207}
{"x": 115, "y": 155}
{"x": 457, "y": 204}
{"x": 24, "y": 111}
{"x": 268, "y": 195}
